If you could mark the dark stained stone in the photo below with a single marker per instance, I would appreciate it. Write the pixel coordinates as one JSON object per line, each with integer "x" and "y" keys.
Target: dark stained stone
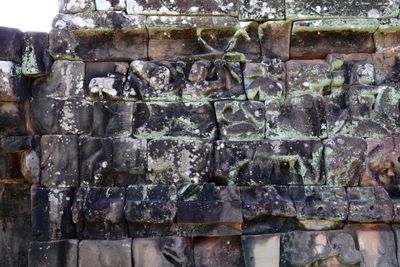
{"x": 369, "y": 204}
{"x": 265, "y": 80}
{"x": 240, "y": 120}
{"x": 75, "y": 6}
{"x": 358, "y": 69}
{"x": 171, "y": 7}
{"x": 59, "y": 161}
{"x": 261, "y": 9}
{"x": 268, "y": 162}
{"x": 318, "y": 38}
{"x": 105, "y": 253}
{"x": 320, "y": 203}
{"x": 162, "y": 251}
{"x": 14, "y": 144}
{"x": 51, "y": 213}
{"x": 386, "y": 67}
{"x": 218, "y": 251}
{"x": 323, "y": 248}
{"x": 275, "y": 38}
{"x": 12, "y": 85}
{"x": 63, "y": 253}
{"x": 11, "y": 41}
{"x": 36, "y": 59}
{"x": 12, "y": 119}
{"x": 166, "y": 120}
{"x": 112, "y": 119}
{"x": 179, "y": 161}
{"x": 261, "y": 250}
{"x": 155, "y": 80}
{"x": 344, "y": 160}
{"x": 65, "y": 80}
{"x": 98, "y": 213}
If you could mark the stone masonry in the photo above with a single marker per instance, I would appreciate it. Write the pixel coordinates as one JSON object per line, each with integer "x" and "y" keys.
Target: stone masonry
{"x": 202, "y": 133}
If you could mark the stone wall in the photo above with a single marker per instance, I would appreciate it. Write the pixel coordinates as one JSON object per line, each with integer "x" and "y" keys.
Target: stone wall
{"x": 202, "y": 133}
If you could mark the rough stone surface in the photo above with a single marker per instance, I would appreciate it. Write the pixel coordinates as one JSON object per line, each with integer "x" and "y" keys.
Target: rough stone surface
{"x": 36, "y": 59}
{"x": 261, "y": 250}
{"x": 75, "y": 6}
{"x": 11, "y": 44}
{"x": 110, "y": 5}
{"x": 112, "y": 119}
{"x": 261, "y": 10}
{"x": 12, "y": 119}
{"x": 275, "y": 38}
{"x": 12, "y": 86}
{"x": 63, "y": 253}
{"x": 105, "y": 253}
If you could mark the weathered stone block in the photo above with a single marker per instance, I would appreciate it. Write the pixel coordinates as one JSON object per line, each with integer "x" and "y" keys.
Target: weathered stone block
{"x": 110, "y": 5}
{"x": 11, "y": 41}
{"x": 112, "y": 119}
{"x": 344, "y": 160}
{"x": 51, "y": 213}
{"x": 318, "y": 38}
{"x": 213, "y": 80}
{"x": 387, "y": 36}
{"x": 369, "y": 204}
{"x": 59, "y": 161}
{"x": 65, "y": 80}
{"x": 178, "y": 161}
{"x": 197, "y": 37}
{"x": 105, "y": 253}
{"x": 386, "y": 67}
{"x": 218, "y": 251}
{"x": 15, "y": 144}
{"x": 261, "y": 9}
{"x": 275, "y": 39}
{"x": 261, "y": 250}
{"x": 121, "y": 38}
{"x": 265, "y": 80}
{"x": 155, "y": 80}
{"x": 162, "y": 251}
{"x": 75, "y": 6}
{"x": 36, "y": 59}
{"x": 166, "y": 120}
{"x": 240, "y": 120}
{"x": 324, "y": 248}
{"x": 359, "y": 69}
{"x": 12, "y": 85}
{"x": 12, "y": 119}
{"x": 171, "y": 7}
{"x": 63, "y": 253}
{"x": 268, "y": 162}
{"x": 98, "y": 212}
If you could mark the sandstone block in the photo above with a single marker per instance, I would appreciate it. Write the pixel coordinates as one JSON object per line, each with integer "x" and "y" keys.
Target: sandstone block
{"x": 261, "y": 250}
{"x": 11, "y": 41}
{"x": 36, "y": 60}
{"x": 12, "y": 85}
{"x": 105, "y": 253}
{"x": 275, "y": 38}
{"x": 112, "y": 119}
{"x": 75, "y": 6}
{"x": 110, "y": 5}
{"x": 63, "y": 253}
{"x": 261, "y": 10}
{"x": 12, "y": 119}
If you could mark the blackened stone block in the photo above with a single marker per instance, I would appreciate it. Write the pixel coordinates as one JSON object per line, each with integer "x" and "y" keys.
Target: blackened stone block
{"x": 155, "y": 80}
{"x": 121, "y": 37}
{"x": 11, "y": 44}
{"x": 275, "y": 39}
{"x": 36, "y": 59}
{"x": 202, "y": 37}
{"x": 344, "y": 160}
{"x": 65, "y": 80}
{"x": 261, "y": 9}
{"x": 162, "y": 251}
{"x": 218, "y": 251}
{"x": 320, "y": 203}
{"x": 95, "y": 157}
{"x": 98, "y": 212}
{"x": 394, "y": 194}
{"x": 51, "y": 213}
{"x": 213, "y": 80}
{"x": 110, "y": 5}
{"x": 318, "y": 38}
{"x": 14, "y": 144}
{"x": 386, "y": 67}
{"x": 129, "y": 161}
{"x": 75, "y": 6}
{"x": 166, "y": 120}
{"x": 178, "y": 161}
{"x": 12, "y": 85}
{"x": 261, "y": 250}
{"x": 44, "y": 115}
{"x": 240, "y": 120}
{"x": 359, "y": 69}
{"x": 59, "y": 161}
{"x": 105, "y": 253}
{"x": 268, "y": 162}
{"x": 12, "y": 119}
{"x": 369, "y": 204}
{"x": 63, "y": 253}
{"x": 112, "y": 119}
{"x": 171, "y": 7}
{"x": 324, "y": 248}
{"x": 264, "y": 80}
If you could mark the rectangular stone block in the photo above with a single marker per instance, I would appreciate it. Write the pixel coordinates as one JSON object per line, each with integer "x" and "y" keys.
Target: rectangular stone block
{"x": 275, "y": 38}
{"x": 369, "y": 204}
{"x": 59, "y": 161}
{"x": 15, "y": 144}
{"x": 318, "y": 38}
{"x": 344, "y": 160}
{"x": 110, "y": 5}
{"x": 387, "y": 36}
{"x": 166, "y": 120}
{"x": 63, "y": 253}
{"x": 12, "y": 119}
{"x": 268, "y": 162}
{"x": 386, "y": 67}
{"x": 36, "y": 60}
{"x": 11, "y": 41}
{"x": 394, "y": 194}
{"x": 112, "y": 119}
{"x": 261, "y": 250}
{"x": 51, "y": 213}
{"x": 240, "y": 120}
{"x": 261, "y": 10}
{"x": 75, "y": 6}
{"x": 12, "y": 85}
{"x": 179, "y": 161}
{"x": 151, "y": 251}
{"x": 105, "y": 253}
{"x": 121, "y": 38}
{"x": 201, "y": 37}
